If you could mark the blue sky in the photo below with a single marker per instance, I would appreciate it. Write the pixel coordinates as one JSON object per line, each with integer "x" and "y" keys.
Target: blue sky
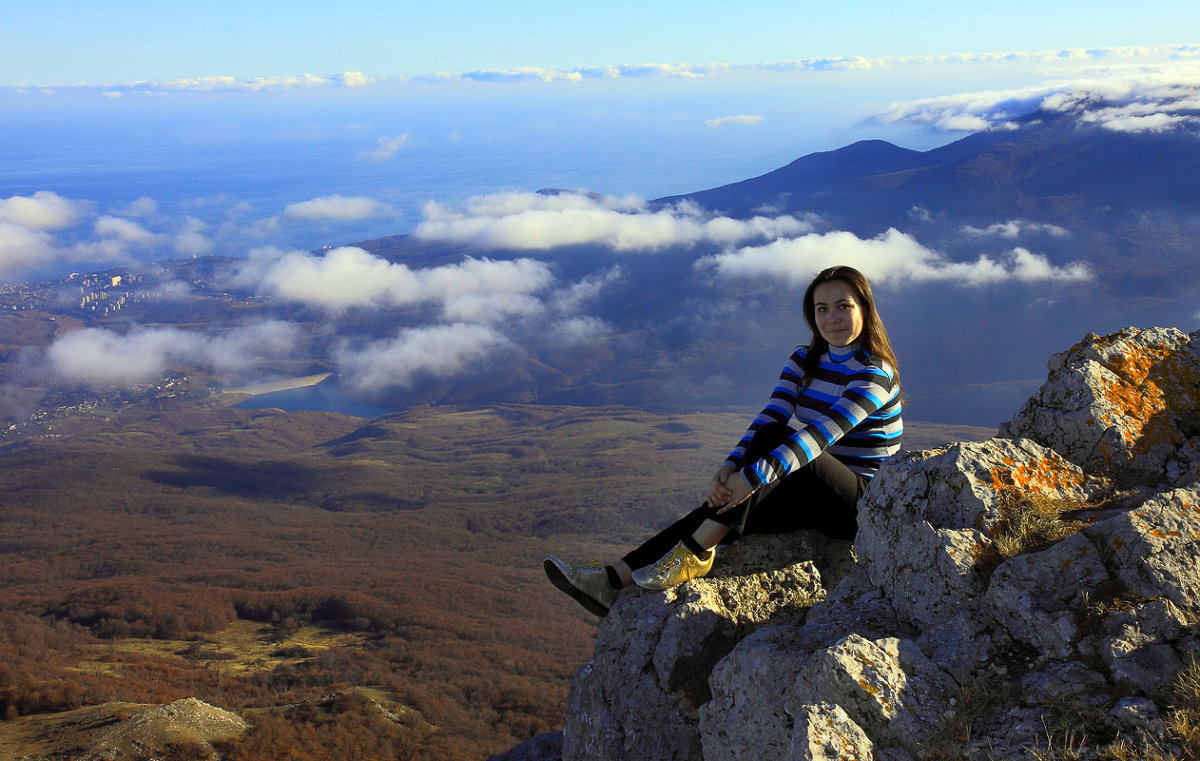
{"x": 70, "y": 41}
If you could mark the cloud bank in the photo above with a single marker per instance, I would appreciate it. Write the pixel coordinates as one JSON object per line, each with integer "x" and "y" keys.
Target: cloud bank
{"x": 891, "y": 258}
{"x": 337, "y": 208}
{"x": 102, "y": 357}
{"x": 725, "y": 121}
{"x": 349, "y": 277}
{"x": 1145, "y": 98}
{"x": 484, "y": 308}
{"x": 357, "y": 79}
{"x": 46, "y": 230}
{"x": 535, "y": 221}
{"x": 44, "y": 210}
{"x": 423, "y": 353}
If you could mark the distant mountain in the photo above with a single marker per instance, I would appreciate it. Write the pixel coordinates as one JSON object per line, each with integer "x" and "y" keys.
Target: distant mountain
{"x": 1051, "y": 167}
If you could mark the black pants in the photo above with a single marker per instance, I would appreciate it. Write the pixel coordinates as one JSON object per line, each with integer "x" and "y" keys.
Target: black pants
{"x": 823, "y": 495}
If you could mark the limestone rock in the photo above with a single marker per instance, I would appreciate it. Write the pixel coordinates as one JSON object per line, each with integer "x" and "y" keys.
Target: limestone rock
{"x": 1035, "y": 597}
{"x": 639, "y": 696}
{"x": 1040, "y": 587}
{"x": 153, "y": 731}
{"x": 825, "y": 733}
{"x": 748, "y": 716}
{"x": 888, "y": 686}
{"x": 924, "y": 524}
{"x": 1155, "y": 549}
{"x": 1127, "y": 400}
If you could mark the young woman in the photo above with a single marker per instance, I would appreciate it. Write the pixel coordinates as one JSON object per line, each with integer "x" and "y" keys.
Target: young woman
{"x": 843, "y": 392}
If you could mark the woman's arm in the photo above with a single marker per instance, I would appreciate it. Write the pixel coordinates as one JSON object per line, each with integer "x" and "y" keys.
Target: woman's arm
{"x": 868, "y": 388}
{"x": 779, "y": 408}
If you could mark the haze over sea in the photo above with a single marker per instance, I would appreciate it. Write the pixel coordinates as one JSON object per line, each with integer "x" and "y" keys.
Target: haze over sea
{"x": 237, "y": 160}
{"x": 222, "y": 166}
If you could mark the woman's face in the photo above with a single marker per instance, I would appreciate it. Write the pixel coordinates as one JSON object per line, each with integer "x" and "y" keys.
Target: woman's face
{"x": 837, "y": 313}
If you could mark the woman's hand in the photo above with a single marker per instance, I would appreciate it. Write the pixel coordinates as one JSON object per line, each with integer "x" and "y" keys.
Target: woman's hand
{"x": 729, "y": 488}
{"x": 719, "y": 494}
{"x": 738, "y": 488}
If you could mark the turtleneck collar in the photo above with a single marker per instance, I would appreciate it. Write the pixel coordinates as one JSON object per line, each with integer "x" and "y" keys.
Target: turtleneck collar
{"x": 843, "y": 353}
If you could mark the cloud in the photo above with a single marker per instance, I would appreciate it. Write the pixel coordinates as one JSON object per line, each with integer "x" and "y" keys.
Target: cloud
{"x": 127, "y": 231}
{"x": 44, "y": 210}
{"x": 351, "y": 277}
{"x": 575, "y": 331}
{"x": 432, "y": 352}
{"x": 22, "y": 248}
{"x": 1151, "y": 97}
{"x": 1015, "y": 229}
{"x": 191, "y": 240}
{"x": 677, "y": 70}
{"x": 385, "y": 148}
{"x": 544, "y": 221}
{"x": 724, "y": 121}
{"x": 966, "y": 112}
{"x": 227, "y": 83}
{"x": 102, "y": 357}
{"x": 522, "y": 74}
{"x": 1056, "y": 58}
{"x": 890, "y": 258}
{"x": 26, "y": 246}
{"x": 1074, "y": 56}
{"x": 619, "y": 71}
{"x": 142, "y": 207}
{"x": 337, "y": 207}
{"x": 571, "y": 299}
{"x": 354, "y": 79}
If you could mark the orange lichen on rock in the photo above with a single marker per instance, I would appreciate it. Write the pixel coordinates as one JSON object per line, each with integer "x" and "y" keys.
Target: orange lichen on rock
{"x": 1133, "y": 398}
{"x": 1049, "y": 474}
{"x": 1149, "y": 382}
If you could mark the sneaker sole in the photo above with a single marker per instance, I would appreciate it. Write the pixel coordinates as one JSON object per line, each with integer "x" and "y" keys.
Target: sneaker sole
{"x": 559, "y": 580}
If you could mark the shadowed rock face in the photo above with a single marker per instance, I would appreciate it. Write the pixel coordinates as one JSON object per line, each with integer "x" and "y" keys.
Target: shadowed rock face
{"x": 995, "y": 590}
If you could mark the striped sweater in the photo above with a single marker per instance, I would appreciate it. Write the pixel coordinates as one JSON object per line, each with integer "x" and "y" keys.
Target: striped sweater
{"x": 850, "y": 409}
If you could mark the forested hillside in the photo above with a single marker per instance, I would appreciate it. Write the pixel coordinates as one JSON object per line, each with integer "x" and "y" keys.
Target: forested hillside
{"x": 256, "y": 559}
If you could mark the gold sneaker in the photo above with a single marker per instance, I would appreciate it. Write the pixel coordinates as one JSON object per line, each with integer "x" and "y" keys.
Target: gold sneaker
{"x": 676, "y": 567}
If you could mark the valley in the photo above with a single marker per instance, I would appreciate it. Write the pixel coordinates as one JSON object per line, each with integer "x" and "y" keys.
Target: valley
{"x": 257, "y": 559}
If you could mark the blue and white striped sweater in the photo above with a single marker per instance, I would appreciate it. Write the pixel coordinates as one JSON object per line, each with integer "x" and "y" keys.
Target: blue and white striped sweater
{"x": 851, "y": 409}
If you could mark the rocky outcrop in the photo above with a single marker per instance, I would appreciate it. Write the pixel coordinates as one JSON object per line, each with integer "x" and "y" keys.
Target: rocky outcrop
{"x": 997, "y": 591}
{"x": 181, "y": 729}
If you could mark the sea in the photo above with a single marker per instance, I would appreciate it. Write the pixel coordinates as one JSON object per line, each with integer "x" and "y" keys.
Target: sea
{"x": 236, "y": 161}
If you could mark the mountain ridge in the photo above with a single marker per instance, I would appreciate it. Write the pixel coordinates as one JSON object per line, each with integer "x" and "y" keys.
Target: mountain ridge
{"x": 1008, "y": 169}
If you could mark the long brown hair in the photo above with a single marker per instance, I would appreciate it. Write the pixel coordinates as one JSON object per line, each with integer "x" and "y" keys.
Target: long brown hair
{"x": 874, "y": 337}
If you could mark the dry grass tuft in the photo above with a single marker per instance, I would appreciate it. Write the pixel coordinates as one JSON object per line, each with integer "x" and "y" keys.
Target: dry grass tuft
{"x": 976, "y": 696}
{"x": 1033, "y": 522}
{"x": 1029, "y": 522}
{"x": 1183, "y": 720}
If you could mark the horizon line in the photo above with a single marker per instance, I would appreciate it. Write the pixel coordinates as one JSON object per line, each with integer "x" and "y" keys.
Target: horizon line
{"x": 358, "y": 79}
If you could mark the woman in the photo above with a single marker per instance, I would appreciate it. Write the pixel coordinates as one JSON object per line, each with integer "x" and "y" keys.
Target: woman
{"x": 844, "y": 393}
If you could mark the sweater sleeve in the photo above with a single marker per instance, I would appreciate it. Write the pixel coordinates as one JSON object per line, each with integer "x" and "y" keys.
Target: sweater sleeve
{"x": 826, "y": 420}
